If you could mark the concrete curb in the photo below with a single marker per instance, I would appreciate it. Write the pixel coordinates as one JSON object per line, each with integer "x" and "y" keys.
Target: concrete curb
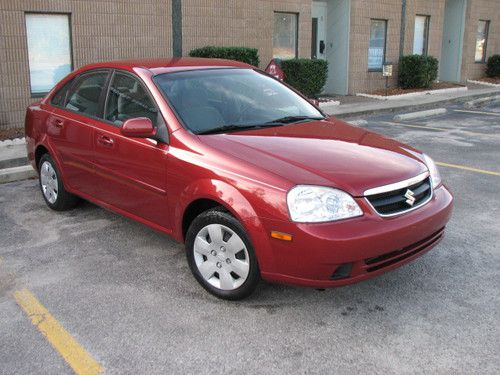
{"x": 489, "y": 84}
{"x": 482, "y": 101}
{"x": 421, "y": 114}
{"x": 407, "y": 106}
{"x": 16, "y": 174}
{"x": 415, "y": 94}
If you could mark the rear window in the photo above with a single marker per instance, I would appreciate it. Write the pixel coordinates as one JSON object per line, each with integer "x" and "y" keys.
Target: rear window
{"x": 59, "y": 99}
{"x": 85, "y": 96}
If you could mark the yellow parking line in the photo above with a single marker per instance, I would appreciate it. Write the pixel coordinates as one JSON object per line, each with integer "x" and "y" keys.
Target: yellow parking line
{"x": 468, "y": 168}
{"x": 80, "y": 361}
{"x": 478, "y": 112}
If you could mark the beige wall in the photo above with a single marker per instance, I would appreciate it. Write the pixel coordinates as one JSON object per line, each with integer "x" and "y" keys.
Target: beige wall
{"x": 101, "y": 30}
{"x": 480, "y": 10}
{"x": 362, "y": 11}
{"x": 247, "y": 23}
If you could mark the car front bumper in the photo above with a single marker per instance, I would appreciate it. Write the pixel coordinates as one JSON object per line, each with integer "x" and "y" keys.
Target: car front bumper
{"x": 345, "y": 252}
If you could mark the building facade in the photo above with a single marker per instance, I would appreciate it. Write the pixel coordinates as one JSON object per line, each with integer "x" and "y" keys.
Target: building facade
{"x": 41, "y": 41}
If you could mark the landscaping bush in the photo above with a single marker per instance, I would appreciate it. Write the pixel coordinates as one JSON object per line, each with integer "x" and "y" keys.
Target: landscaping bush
{"x": 493, "y": 66}
{"x": 243, "y": 54}
{"x": 306, "y": 75}
{"x": 416, "y": 71}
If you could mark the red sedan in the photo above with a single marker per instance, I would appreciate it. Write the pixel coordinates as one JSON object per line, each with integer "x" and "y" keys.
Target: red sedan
{"x": 253, "y": 178}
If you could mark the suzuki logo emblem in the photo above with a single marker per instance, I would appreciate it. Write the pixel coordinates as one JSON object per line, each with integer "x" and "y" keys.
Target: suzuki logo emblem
{"x": 410, "y": 199}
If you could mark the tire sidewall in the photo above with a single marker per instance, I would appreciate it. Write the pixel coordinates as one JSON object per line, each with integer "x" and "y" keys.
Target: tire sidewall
{"x": 60, "y": 186}
{"x": 223, "y": 218}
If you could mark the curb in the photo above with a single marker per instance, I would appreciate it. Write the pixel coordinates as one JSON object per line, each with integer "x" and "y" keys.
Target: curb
{"x": 410, "y": 107}
{"x": 421, "y": 114}
{"x": 483, "y": 83}
{"x": 450, "y": 90}
{"x": 482, "y": 101}
{"x": 17, "y": 173}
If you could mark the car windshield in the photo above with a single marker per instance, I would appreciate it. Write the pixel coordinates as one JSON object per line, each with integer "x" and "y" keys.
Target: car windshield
{"x": 221, "y": 100}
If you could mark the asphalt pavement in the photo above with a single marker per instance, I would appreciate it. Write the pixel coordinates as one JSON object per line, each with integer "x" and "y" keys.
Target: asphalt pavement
{"x": 125, "y": 293}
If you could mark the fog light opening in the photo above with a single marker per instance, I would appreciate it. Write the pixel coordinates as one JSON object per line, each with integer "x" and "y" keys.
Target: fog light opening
{"x": 342, "y": 272}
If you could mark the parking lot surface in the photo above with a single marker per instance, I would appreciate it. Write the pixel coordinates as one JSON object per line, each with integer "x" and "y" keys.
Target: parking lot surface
{"x": 125, "y": 294}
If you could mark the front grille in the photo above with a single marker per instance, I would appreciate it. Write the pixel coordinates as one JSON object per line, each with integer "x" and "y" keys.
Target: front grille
{"x": 394, "y": 202}
{"x": 393, "y": 257}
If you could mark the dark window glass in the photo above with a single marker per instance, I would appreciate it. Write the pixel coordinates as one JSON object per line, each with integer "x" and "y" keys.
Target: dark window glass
{"x": 60, "y": 97}
{"x": 128, "y": 99}
{"x": 376, "y": 51}
{"x": 84, "y": 98}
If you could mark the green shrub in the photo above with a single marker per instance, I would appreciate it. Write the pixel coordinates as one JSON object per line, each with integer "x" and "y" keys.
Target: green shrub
{"x": 493, "y": 66}
{"x": 243, "y": 54}
{"x": 416, "y": 71}
{"x": 306, "y": 75}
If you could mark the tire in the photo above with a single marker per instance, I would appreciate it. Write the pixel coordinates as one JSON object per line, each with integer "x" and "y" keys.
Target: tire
{"x": 52, "y": 187}
{"x": 221, "y": 256}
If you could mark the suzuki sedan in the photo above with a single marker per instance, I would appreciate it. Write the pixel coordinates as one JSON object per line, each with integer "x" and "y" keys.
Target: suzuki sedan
{"x": 255, "y": 180}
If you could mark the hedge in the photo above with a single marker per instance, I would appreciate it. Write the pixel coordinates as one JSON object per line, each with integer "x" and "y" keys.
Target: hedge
{"x": 493, "y": 66}
{"x": 306, "y": 75}
{"x": 243, "y": 54}
{"x": 416, "y": 71}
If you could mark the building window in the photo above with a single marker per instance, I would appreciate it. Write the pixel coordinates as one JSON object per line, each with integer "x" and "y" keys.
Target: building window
{"x": 376, "y": 51}
{"x": 482, "y": 41}
{"x": 285, "y": 37}
{"x": 49, "y": 50}
{"x": 421, "y": 35}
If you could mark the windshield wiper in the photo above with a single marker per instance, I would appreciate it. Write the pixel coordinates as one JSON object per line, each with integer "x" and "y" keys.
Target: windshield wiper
{"x": 232, "y": 127}
{"x": 292, "y": 119}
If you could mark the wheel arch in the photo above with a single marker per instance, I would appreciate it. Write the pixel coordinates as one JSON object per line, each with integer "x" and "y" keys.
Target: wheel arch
{"x": 216, "y": 193}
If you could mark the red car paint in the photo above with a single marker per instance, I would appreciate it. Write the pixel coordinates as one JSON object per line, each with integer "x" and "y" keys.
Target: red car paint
{"x": 249, "y": 173}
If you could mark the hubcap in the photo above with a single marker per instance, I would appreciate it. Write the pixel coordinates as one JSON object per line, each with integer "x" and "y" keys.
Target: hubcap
{"x": 48, "y": 181}
{"x": 227, "y": 269}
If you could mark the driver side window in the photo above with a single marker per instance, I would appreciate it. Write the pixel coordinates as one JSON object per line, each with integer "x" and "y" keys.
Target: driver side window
{"x": 128, "y": 99}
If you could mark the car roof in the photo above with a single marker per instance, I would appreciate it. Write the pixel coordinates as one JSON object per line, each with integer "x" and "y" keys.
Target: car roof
{"x": 164, "y": 65}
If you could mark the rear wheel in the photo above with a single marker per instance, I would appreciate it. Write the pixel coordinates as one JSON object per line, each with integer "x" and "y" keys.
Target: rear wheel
{"x": 221, "y": 256}
{"x": 52, "y": 187}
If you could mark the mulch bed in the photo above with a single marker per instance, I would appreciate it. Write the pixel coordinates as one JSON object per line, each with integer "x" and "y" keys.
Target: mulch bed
{"x": 11, "y": 134}
{"x": 400, "y": 91}
{"x": 495, "y": 80}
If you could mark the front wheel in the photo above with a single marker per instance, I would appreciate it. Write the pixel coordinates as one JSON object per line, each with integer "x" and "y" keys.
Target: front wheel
{"x": 221, "y": 256}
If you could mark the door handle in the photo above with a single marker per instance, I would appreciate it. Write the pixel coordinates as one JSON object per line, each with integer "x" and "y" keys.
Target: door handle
{"x": 105, "y": 141}
{"x": 322, "y": 46}
{"x": 58, "y": 123}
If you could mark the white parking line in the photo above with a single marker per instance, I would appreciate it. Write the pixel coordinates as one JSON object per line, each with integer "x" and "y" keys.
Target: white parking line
{"x": 478, "y": 112}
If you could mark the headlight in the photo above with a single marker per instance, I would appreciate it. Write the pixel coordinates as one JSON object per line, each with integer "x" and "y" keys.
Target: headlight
{"x": 317, "y": 204}
{"x": 435, "y": 175}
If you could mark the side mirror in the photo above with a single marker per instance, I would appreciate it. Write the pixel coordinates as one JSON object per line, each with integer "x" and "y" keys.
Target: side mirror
{"x": 140, "y": 127}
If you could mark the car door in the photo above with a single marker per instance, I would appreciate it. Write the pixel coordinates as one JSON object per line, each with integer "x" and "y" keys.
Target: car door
{"x": 77, "y": 107}
{"x": 131, "y": 171}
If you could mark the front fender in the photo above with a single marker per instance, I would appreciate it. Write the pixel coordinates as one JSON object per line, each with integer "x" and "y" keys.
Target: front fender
{"x": 230, "y": 198}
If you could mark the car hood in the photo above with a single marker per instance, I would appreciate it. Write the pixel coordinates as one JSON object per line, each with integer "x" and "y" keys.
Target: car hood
{"x": 328, "y": 152}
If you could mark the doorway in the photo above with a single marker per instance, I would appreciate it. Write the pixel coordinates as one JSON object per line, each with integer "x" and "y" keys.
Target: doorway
{"x": 318, "y": 38}
{"x": 453, "y": 41}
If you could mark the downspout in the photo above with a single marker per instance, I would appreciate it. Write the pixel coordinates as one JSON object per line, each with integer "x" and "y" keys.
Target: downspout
{"x": 177, "y": 28}
{"x": 403, "y": 30}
